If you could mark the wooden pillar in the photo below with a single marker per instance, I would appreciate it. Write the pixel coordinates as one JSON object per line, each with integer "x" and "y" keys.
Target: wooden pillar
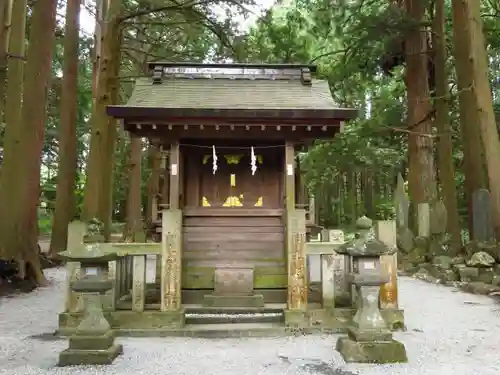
{"x": 171, "y": 248}
{"x": 118, "y": 290}
{"x": 123, "y": 276}
{"x": 168, "y": 195}
{"x": 139, "y": 283}
{"x": 295, "y": 237}
{"x": 171, "y": 237}
{"x": 386, "y": 233}
{"x": 175, "y": 181}
{"x": 289, "y": 176}
{"x": 165, "y": 179}
{"x": 130, "y": 273}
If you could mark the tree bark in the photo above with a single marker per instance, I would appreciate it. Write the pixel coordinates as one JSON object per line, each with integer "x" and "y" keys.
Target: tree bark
{"x": 134, "y": 216}
{"x": 480, "y": 89}
{"x": 21, "y": 190}
{"x": 421, "y": 180}
{"x": 5, "y": 14}
{"x": 98, "y": 188}
{"x": 14, "y": 92}
{"x": 473, "y": 160}
{"x": 13, "y": 115}
{"x": 65, "y": 199}
{"x": 446, "y": 167}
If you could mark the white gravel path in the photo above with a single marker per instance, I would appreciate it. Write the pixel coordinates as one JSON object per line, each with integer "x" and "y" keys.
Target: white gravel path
{"x": 449, "y": 332}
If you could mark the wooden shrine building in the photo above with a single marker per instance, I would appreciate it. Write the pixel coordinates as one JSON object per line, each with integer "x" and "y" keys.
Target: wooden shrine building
{"x": 236, "y": 218}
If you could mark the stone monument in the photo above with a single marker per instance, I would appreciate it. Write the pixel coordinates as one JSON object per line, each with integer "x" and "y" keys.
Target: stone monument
{"x": 92, "y": 343}
{"x": 369, "y": 339}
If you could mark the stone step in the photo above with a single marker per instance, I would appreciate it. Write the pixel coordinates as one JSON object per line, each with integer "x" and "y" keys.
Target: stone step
{"x": 221, "y": 330}
{"x": 231, "y": 310}
{"x": 207, "y": 318}
{"x": 233, "y": 330}
{"x": 249, "y": 301}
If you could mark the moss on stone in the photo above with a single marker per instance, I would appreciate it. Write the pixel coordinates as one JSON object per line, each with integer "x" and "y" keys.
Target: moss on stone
{"x": 371, "y": 352}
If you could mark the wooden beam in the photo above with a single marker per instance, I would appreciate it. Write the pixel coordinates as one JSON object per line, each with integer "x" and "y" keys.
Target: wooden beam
{"x": 185, "y": 115}
{"x": 262, "y": 132}
{"x": 174, "y": 176}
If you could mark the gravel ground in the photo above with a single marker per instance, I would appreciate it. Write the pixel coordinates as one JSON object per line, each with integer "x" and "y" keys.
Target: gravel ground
{"x": 449, "y": 332}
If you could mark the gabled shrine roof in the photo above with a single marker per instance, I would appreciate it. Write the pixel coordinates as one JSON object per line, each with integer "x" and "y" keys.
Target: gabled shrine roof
{"x": 224, "y": 93}
{"x": 191, "y": 93}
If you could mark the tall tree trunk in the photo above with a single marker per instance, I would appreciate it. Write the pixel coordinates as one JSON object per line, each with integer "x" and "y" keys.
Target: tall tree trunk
{"x": 421, "y": 181}
{"x": 98, "y": 188}
{"x": 21, "y": 190}
{"x": 477, "y": 70}
{"x": 100, "y": 19}
{"x": 5, "y": 14}
{"x": 65, "y": 199}
{"x": 444, "y": 142}
{"x": 13, "y": 116}
{"x": 134, "y": 217}
{"x": 473, "y": 160}
{"x": 14, "y": 91}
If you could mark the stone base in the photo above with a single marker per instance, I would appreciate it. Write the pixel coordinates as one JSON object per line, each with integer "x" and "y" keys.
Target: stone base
{"x": 75, "y": 357}
{"x": 92, "y": 342}
{"x": 126, "y": 320}
{"x": 369, "y": 335}
{"x": 371, "y": 352}
{"x": 250, "y": 301}
{"x": 296, "y": 318}
{"x": 151, "y": 323}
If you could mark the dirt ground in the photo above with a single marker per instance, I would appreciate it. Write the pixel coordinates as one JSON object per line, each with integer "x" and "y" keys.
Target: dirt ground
{"x": 9, "y": 289}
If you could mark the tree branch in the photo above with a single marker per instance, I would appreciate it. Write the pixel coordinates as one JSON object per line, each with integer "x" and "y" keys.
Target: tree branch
{"x": 161, "y": 9}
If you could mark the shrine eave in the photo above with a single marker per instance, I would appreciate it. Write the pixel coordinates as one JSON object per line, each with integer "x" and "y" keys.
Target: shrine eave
{"x": 200, "y": 116}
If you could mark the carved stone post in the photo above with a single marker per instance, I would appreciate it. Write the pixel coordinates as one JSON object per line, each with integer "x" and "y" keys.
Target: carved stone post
{"x": 332, "y": 270}
{"x": 139, "y": 283}
{"x": 171, "y": 260}
{"x": 297, "y": 270}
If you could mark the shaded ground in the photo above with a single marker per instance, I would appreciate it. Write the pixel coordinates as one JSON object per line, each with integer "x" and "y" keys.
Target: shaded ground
{"x": 449, "y": 333}
{"x": 10, "y": 285}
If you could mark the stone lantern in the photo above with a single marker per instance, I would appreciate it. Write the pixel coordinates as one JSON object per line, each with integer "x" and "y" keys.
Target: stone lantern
{"x": 92, "y": 343}
{"x": 369, "y": 338}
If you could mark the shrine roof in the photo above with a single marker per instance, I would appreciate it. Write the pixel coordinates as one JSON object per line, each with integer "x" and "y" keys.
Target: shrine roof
{"x": 236, "y": 91}
{"x": 223, "y": 93}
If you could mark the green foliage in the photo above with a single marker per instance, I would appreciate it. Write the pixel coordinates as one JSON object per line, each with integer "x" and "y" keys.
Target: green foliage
{"x": 45, "y": 219}
{"x": 348, "y": 40}
{"x": 351, "y": 42}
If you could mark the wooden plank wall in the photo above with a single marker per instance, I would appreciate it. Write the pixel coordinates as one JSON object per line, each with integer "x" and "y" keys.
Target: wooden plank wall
{"x": 211, "y": 242}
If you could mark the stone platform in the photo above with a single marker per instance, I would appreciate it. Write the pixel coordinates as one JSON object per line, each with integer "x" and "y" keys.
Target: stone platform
{"x": 76, "y": 357}
{"x": 199, "y": 321}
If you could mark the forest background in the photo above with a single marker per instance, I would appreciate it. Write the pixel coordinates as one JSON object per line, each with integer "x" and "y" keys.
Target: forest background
{"x": 425, "y": 76}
